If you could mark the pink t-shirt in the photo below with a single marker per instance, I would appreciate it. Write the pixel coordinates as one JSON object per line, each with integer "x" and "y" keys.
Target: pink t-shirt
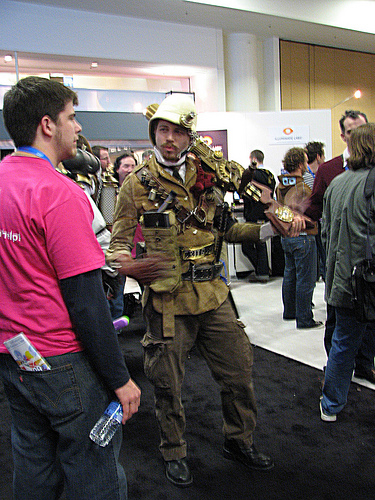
{"x": 45, "y": 236}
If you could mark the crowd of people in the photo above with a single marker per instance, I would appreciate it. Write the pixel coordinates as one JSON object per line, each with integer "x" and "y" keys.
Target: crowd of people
{"x": 70, "y": 266}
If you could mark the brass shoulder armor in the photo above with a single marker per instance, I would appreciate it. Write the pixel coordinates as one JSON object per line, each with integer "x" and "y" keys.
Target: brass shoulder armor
{"x": 228, "y": 173}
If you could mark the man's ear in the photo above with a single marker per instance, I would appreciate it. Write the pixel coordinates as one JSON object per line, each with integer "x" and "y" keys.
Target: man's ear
{"x": 343, "y": 137}
{"x": 47, "y": 125}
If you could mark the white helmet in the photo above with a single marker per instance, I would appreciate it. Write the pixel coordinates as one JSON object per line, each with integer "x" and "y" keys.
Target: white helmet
{"x": 176, "y": 108}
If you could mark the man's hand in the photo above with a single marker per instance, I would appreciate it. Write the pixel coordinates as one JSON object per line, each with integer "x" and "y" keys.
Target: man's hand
{"x": 298, "y": 225}
{"x": 129, "y": 396}
{"x": 144, "y": 270}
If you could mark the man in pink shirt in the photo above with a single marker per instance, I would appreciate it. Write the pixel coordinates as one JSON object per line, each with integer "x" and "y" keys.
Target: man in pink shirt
{"x": 51, "y": 290}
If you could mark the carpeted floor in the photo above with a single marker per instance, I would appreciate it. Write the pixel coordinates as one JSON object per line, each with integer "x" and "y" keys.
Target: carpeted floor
{"x": 314, "y": 460}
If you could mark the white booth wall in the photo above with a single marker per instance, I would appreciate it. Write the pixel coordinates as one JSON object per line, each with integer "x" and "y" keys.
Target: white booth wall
{"x": 273, "y": 133}
{"x": 266, "y": 131}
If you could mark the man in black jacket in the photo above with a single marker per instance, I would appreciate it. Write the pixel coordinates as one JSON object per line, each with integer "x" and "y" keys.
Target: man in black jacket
{"x": 256, "y": 252}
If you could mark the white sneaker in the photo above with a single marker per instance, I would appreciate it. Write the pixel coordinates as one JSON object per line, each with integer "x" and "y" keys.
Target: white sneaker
{"x": 325, "y": 417}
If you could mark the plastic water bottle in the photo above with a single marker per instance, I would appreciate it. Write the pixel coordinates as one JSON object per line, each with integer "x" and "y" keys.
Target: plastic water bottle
{"x": 105, "y": 428}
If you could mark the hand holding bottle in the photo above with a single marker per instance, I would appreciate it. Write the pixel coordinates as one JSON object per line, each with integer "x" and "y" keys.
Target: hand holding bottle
{"x": 116, "y": 413}
{"x": 129, "y": 396}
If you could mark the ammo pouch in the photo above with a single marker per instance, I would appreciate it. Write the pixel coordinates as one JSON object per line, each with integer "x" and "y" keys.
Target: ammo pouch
{"x": 159, "y": 230}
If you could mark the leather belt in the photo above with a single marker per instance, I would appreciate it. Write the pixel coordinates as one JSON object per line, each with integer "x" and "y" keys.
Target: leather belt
{"x": 203, "y": 272}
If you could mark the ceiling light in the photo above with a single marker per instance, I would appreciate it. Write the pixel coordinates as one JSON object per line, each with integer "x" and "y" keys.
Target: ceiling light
{"x": 8, "y": 58}
{"x": 137, "y": 107}
{"x": 357, "y": 94}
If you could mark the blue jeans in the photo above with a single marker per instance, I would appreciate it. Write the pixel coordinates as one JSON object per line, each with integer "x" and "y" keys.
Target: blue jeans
{"x": 346, "y": 339}
{"x": 52, "y": 415}
{"x": 299, "y": 279}
{"x": 116, "y": 305}
{"x": 364, "y": 360}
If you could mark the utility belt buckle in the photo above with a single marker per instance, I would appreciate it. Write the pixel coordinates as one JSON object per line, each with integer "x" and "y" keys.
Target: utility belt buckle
{"x": 203, "y": 272}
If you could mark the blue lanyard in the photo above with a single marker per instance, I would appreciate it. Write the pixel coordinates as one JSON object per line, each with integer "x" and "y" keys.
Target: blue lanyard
{"x": 311, "y": 172}
{"x": 34, "y": 151}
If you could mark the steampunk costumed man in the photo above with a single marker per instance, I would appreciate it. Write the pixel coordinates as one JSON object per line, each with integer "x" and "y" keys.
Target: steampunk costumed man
{"x": 177, "y": 195}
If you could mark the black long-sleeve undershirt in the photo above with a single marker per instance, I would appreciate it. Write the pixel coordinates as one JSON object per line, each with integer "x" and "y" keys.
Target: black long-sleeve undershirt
{"x": 89, "y": 312}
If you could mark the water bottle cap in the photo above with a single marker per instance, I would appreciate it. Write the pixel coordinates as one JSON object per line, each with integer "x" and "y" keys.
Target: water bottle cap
{"x": 121, "y": 322}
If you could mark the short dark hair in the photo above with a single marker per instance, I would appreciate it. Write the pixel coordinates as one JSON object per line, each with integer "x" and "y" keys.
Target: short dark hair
{"x": 127, "y": 154}
{"x": 116, "y": 165}
{"x": 362, "y": 147}
{"x": 96, "y": 150}
{"x": 258, "y": 155}
{"x": 350, "y": 113}
{"x": 28, "y": 101}
{"x": 313, "y": 149}
{"x": 293, "y": 158}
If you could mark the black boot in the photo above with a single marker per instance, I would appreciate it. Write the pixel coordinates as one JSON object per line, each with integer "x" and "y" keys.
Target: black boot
{"x": 249, "y": 456}
{"x": 178, "y": 472}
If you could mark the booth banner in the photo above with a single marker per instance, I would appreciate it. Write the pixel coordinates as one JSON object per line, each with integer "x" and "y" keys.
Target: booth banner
{"x": 291, "y": 135}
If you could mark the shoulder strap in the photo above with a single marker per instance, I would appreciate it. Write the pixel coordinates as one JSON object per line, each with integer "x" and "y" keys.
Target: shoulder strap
{"x": 369, "y": 191}
{"x": 370, "y": 183}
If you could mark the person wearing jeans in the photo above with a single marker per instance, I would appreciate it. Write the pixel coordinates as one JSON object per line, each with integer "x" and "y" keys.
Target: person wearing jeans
{"x": 346, "y": 340}
{"x": 344, "y": 229}
{"x": 48, "y": 412}
{"x": 52, "y": 291}
{"x": 299, "y": 251}
{"x": 349, "y": 121}
{"x": 299, "y": 279}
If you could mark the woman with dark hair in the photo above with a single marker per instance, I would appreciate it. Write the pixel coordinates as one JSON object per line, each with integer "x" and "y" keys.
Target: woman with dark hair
{"x": 123, "y": 166}
{"x": 344, "y": 227}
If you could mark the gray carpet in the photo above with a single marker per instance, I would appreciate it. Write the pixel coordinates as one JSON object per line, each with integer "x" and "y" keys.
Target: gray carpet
{"x": 260, "y": 308}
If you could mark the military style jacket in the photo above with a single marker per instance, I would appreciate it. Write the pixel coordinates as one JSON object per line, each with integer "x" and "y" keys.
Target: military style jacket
{"x": 190, "y": 243}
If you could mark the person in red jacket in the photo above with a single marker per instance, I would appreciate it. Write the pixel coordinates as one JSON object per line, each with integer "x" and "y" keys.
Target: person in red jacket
{"x": 349, "y": 121}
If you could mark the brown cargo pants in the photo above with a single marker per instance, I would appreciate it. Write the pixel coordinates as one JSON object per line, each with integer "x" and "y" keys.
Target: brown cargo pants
{"x": 222, "y": 341}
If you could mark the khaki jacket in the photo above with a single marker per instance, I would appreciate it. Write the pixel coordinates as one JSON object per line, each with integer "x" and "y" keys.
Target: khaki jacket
{"x": 133, "y": 200}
